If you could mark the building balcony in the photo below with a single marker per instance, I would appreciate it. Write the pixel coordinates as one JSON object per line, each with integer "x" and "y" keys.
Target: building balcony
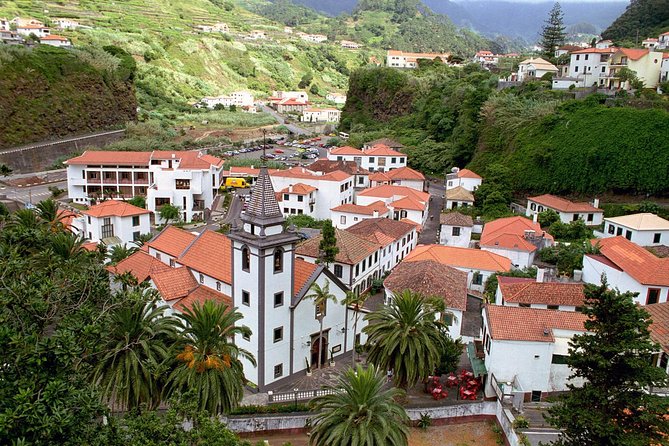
{"x": 125, "y": 181}
{"x": 93, "y": 180}
{"x": 141, "y": 181}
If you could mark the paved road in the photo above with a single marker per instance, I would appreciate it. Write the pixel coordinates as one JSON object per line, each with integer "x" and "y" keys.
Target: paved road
{"x": 292, "y": 127}
{"x": 33, "y": 194}
{"x": 429, "y": 233}
{"x": 58, "y": 141}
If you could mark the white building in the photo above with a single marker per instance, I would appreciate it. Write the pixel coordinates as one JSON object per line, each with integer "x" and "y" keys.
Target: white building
{"x": 664, "y": 69}
{"x": 376, "y": 158}
{"x": 403, "y": 202}
{"x": 113, "y": 222}
{"x": 433, "y": 279}
{"x": 486, "y": 58}
{"x": 535, "y": 68}
{"x": 402, "y": 176}
{"x": 650, "y": 43}
{"x": 628, "y": 267}
{"x": 456, "y": 229}
{"x": 337, "y": 98}
{"x": 324, "y": 165}
{"x": 257, "y": 34}
{"x": 396, "y": 238}
{"x": 530, "y": 293}
{"x": 458, "y": 197}
{"x": 54, "y": 40}
{"x": 254, "y": 269}
{"x": 516, "y": 238}
{"x": 4, "y": 24}
{"x": 663, "y": 41}
{"x": 37, "y": 30}
{"x": 298, "y": 95}
{"x": 66, "y": 23}
{"x": 188, "y": 180}
{"x": 314, "y": 38}
{"x": 568, "y": 210}
{"x": 349, "y": 45}
{"x": 591, "y": 66}
{"x": 346, "y": 215}
{"x": 528, "y": 347}
{"x": 479, "y": 265}
{"x": 22, "y": 22}
{"x": 464, "y": 178}
{"x": 646, "y": 65}
{"x": 644, "y": 229}
{"x": 297, "y": 199}
{"x": 236, "y": 98}
{"x": 403, "y": 59}
{"x": 313, "y": 114}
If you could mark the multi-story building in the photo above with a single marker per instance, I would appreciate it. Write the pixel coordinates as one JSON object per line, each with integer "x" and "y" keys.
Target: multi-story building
{"x": 37, "y": 30}
{"x": 337, "y": 98}
{"x": 314, "y": 38}
{"x": 644, "y": 62}
{"x": 455, "y": 229}
{"x": 188, "y": 180}
{"x": 403, "y": 202}
{"x": 402, "y": 59}
{"x": 644, "y": 229}
{"x": 517, "y": 238}
{"x": 326, "y": 166}
{"x": 402, "y": 176}
{"x": 464, "y": 178}
{"x": 664, "y": 69}
{"x": 66, "y": 23}
{"x": 567, "y": 210}
{"x": 486, "y": 58}
{"x": 375, "y": 158}
{"x": 113, "y": 222}
{"x": 535, "y": 68}
{"x": 236, "y": 98}
{"x": 590, "y": 66}
{"x": 396, "y": 239}
{"x": 312, "y": 114}
{"x": 346, "y": 215}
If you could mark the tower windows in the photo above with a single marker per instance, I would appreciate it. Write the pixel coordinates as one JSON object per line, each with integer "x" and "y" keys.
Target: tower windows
{"x": 246, "y": 259}
{"x": 278, "y": 260}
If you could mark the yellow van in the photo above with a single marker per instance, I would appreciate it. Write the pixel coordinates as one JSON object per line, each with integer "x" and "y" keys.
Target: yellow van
{"x": 236, "y": 182}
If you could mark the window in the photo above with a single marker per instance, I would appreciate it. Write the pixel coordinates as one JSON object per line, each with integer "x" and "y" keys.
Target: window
{"x": 357, "y": 269}
{"x": 586, "y": 56}
{"x": 321, "y": 310}
{"x": 524, "y": 305}
{"x": 172, "y": 263}
{"x": 559, "y": 359}
{"x": 135, "y": 220}
{"x": 447, "y": 318}
{"x": 371, "y": 159}
{"x": 533, "y": 206}
{"x": 278, "y": 299}
{"x": 218, "y": 286}
{"x": 338, "y": 271}
{"x": 653, "y": 296}
{"x": 89, "y": 220}
{"x": 552, "y": 307}
{"x": 135, "y": 236}
{"x": 278, "y": 260}
{"x": 278, "y": 370}
{"x": 603, "y": 69}
{"x": 201, "y": 278}
{"x": 591, "y": 217}
{"x": 628, "y": 234}
{"x": 657, "y": 237}
{"x": 246, "y": 298}
{"x": 578, "y": 57}
{"x": 575, "y": 217}
{"x": 619, "y": 231}
{"x": 393, "y": 160}
{"x": 300, "y": 198}
{"x": 456, "y": 231}
{"x": 158, "y": 255}
{"x": 107, "y": 228}
{"x": 286, "y": 197}
{"x": 182, "y": 184}
{"x": 401, "y": 160}
{"x": 246, "y": 258}
{"x": 278, "y": 334}
{"x": 612, "y": 229}
{"x": 342, "y": 219}
{"x": 477, "y": 279}
{"x": 536, "y": 396}
{"x": 576, "y": 68}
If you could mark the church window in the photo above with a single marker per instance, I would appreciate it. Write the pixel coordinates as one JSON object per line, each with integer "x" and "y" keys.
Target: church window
{"x": 246, "y": 258}
{"x": 278, "y": 260}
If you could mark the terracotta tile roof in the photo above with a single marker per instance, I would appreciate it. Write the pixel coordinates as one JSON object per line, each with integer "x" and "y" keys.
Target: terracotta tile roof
{"x": 189, "y": 159}
{"x": 172, "y": 241}
{"x": 140, "y": 264}
{"x": 211, "y": 254}
{"x": 510, "y": 233}
{"x": 382, "y": 150}
{"x": 562, "y": 205}
{"x": 114, "y": 208}
{"x": 90, "y": 246}
{"x": 634, "y": 53}
{"x": 241, "y": 170}
{"x": 200, "y": 295}
{"x": 659, "y": 329}
{"x": 508, "y": 279}
{"x": 66, "y": 217}
{"x": 379, "y": 177}
{"x": 460, "y": 257}
{"x": 54, "y": 37}
{"x": 431, "y": 279}
{"x": 530, "y": 324}
{"x": 302, "y": 173}
{"x": 388, "y": 191}
{"x": 346, "y": 150}
{"x": 640, "y": 264}
{"x": 385, "y": 141}
{"x": 327, "y": 166}
{"x": 174, "y": 283}
{"x": 539, "y": 63}
{"x": 298, "y": 189}
{"x": 456, "y": 219}
{"x": 352, "y": 248}
{"x": 405, "y": 173}
{"x": 596, "y": 50}
{"x": 302, "y": 272}
{"x": 466, "y": 173}
{"x": 459, "y": 194}
{"x": 111, "y": 158}
{"x": 350, "y": 208}
{"x": 548, "y": 293}
{"x": 383, "y": 231}
{"x": 409, "y": 203}
{"x": 641, "y": 222}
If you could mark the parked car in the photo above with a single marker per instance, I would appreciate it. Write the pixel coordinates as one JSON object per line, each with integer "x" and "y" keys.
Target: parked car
{"x": 278, "y": 151}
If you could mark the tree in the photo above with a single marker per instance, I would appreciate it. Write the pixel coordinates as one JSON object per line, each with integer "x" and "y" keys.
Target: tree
{"x": 233, "y": 108}
{"x": 48, "y": 211}
{"x": 209, "y": 364}
{"x": 137, "y": 346}
{"x": 142, "y": 239}
{"x": 613, "y": 406}
{"x": 321, "y": 296}
{"x": 328, "y": 245}
{"x": 5, "y": 170}
{"x": 450, "y": 356}
{"x": 547, "y": 218}
{"x": 357, "y": 301}
{"x": 360, "y": 412}
{"x": 405, "y": 336}
{"x": 552, "y": 34}
{"x": 306, "y": 80}
{"x": 169, "y": 212}
{"x": 120, "y": 252}
{"x": 138, "y": 201}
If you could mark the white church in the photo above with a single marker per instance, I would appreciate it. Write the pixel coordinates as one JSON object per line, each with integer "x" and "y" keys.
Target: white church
{"x": 255, "y": 269}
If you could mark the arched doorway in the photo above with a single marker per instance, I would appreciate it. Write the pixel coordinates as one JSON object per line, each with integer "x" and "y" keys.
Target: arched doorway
{"x": 319, "y": 349}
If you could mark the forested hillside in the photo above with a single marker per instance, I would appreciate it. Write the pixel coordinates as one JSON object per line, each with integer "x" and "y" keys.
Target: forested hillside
{"x": 48, "y": 92}
{"x": 547, "y": 142}
{"x": 642, "y": 19}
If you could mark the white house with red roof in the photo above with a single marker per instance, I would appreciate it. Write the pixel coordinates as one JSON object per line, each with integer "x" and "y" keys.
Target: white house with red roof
{"x": 568, "y": 210}
{"x": 188, "y": 180}
{"x": 403, "y": 202}
{"x": 297, "y": 199}
{"x": 644, "y": 229}
{"x": 255, "y": 269}
{"x": 663, "y": 41}
{"x": 529, "y": 293}
{"x": 315, "y": 114}
{"x": 396, "y": 238}
{"x": 628, "y": 267}
{"x": 486, "y": 58}
{"x": 113, "y": 222}
{"x": 346, "y": 215}
{"x": 34, "y": 29}
{"x": 4, "y": 24}
{"x": 664, "y": 69}
{"x": 55, "y": 40}
{"x": 456, "y": 229}
{"x": 517, "y": 238}
{"x": 526, "y": 349}
{"x": 590, "y": 66}
{"x": 402, "y": 176}
{"x": 464, "y": 178}
{"x": 289, "y": 101}
{"x": 404, "y": 59}
{"x": 378, "y": 157}
{"x": 644, "y": 62}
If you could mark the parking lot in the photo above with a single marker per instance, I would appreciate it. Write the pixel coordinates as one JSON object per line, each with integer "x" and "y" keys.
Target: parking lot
{"x": 288, "y": 151}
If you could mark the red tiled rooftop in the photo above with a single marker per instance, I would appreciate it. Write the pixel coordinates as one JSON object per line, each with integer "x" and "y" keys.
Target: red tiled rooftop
{"x": 298, "y": 189}
{"x": 388, "y": 190}
{"x": 563, "y": 205}
{"x": 460, "y": 257}
{"x": 382, "y": 150}
{"x": 548, "y": 293}
{"x": 92, "y": 157}
{"x": 352, "y": 248}
{"x": 640, "y": 264}
{"x": 172, "y": 241}
{"x": 530, "y": 324}
{"x": 381, "y": 230}
{"x": 350, "y": 208}
{"x": 140, "y": 264}
{"x": 659, "y": 329}
{"x": 405, "y": 173}
{"x": 466, "y": 173}
{"x": 509, "y": 233}
{"x": 302, "y": 271}
{"x": 174, "y": 283}
{"x": 210, "y": 254}
{"x": 114, "y": 208}
{"x": 634, "y": 53}
{"x": 409, "y": 203}
{"x": 346, "y": 150}
{"x": 200, "y": 295}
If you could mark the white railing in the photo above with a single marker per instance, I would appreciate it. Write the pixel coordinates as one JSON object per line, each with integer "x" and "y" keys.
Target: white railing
{"x": 300, "y": 395}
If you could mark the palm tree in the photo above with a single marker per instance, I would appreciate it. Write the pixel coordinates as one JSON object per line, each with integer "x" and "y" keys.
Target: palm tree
{"x": 360, "y": 412}
{"x": 136, "y": 348}
{"x": 321, "y": 296}
{"x": 355, "y": 300}
{"x": 209, "y": 364}
{"x": 120, "y": 252}
{"x": 142, "y": 239}
{"x": 406, "y": 337}
{"x": 48, "y": 211}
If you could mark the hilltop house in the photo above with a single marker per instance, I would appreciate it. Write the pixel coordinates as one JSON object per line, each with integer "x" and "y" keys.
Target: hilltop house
{"x": 535, "y": 68}
{"x": 312, "y": 114}
{"x": 644, "y": 229}
{"x": 567, "y": 210}
{"x": 486, "y": 58}
{"x": 644, "y": 62}
{"x": 590, "y": 66}
{"x": 4, "y": 24}
{"x": 65, "y": 23}
{"x": 36, "y": 30}
{"x": 54, "y": 40}
{"x": 464, "y": 178}
{"x": 113, "y": 222}
{"x": 314, "y": 38}
{"x": 516, "y": 238}
{"x": 456, "y": 229}
{"x": 337, "y": 98}
{"x": 628, "y": 267}
{"x": 403, "y": 59}
{"x": 236, "y": 98}
{"x": 663, "y": 41}
{"x": 349, "y": 45}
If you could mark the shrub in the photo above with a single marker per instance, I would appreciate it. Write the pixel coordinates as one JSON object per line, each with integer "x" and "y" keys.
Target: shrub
{"x": 273, "y": 408}
{"x": 520, "y": 423}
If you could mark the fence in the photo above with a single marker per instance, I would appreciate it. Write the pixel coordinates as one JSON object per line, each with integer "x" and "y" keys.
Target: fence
{"x": 299, "y": 395}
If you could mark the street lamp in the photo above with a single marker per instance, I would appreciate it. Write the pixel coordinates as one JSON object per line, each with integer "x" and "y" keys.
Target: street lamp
{"x": 295, "y": 390}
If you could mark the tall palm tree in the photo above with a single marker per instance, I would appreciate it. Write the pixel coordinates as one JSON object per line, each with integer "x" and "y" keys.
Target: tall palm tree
{"x": 209, "y": 364}
{"x": 321, "y": 296}
{"x": 406, "y": 337}
{"x": 360, "y": 412}
{"x": 355, "y": 300}
{"x": 120, "y": 252}
{"x": 136, "y": 347}
{"x": 142, "y": 239}
{"x": 48, "y": 211}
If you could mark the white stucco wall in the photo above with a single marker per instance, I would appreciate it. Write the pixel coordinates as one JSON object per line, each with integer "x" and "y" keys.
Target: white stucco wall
{"x": 446, "y": 236}
{"x": 519, "y": 259}
{"x": 641, "y": 238}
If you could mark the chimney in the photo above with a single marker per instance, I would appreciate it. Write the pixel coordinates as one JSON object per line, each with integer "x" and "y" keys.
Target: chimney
{"x": 174, "y": 155}
{"x": 535, "y": 218}
{"x": 546, "y": 332}
{"x": 290, "y": 189}
{"x": 529, "y": 233}
{"x": 541, "y": 273}
{"x": 376, "y": 214}
{"x": 595, "y": 202}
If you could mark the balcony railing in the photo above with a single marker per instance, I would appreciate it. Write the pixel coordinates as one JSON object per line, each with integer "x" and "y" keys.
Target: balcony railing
{"x": 141, "y": 181}
{"x": 94, "y": 180}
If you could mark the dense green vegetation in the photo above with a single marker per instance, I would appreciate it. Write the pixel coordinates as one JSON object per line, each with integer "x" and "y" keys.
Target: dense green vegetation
{"x": 641, "y": 19}
{"x": 49, "y": 92}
